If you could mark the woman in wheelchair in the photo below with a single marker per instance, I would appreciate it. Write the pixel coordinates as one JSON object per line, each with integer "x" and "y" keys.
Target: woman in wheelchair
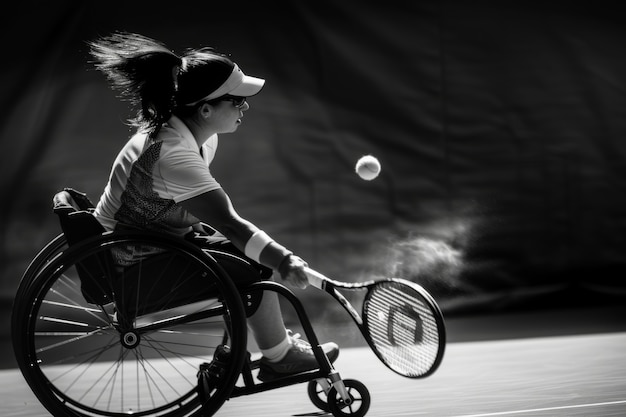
{"x": 161, "y": 178}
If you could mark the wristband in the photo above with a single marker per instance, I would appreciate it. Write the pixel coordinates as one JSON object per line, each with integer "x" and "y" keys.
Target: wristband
{"x": 255, "y": 245}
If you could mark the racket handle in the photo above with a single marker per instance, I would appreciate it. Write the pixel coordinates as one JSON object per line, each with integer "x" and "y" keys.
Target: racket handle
{"x": 316, "y": 279}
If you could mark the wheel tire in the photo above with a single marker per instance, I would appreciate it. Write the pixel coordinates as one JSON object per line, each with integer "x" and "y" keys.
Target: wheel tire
{"x": 318, "y": 396}
{"x": 359, "y": 395}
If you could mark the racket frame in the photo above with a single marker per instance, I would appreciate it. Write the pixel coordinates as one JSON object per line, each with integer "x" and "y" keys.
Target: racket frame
{"x": 332, "y": 287}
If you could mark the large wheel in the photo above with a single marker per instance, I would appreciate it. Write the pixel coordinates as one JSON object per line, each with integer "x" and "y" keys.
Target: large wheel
{"x": 45, "y": 256}
{"x": 140, "y": 353}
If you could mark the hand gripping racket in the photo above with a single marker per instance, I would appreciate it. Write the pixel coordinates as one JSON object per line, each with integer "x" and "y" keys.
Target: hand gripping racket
{"x": 400, "y": 321}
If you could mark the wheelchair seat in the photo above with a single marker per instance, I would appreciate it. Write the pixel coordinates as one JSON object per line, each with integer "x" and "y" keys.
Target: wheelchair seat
{"x": 75, "y": 212}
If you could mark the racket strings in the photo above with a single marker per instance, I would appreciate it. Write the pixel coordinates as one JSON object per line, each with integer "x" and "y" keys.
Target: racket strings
{"x": 403, "y": 328}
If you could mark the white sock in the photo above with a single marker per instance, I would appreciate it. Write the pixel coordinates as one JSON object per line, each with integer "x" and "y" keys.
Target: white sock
{"x": 278, "y": 352}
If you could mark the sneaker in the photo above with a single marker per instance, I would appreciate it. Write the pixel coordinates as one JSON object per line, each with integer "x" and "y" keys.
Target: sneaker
{"x": 300, "y": 358}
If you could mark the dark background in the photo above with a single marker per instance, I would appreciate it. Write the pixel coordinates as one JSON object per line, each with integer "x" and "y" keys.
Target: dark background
{"x": 499, "y": 125}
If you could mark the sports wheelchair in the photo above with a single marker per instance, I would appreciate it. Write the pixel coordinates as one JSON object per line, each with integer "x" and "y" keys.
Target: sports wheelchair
{"x": 163, "y": 335}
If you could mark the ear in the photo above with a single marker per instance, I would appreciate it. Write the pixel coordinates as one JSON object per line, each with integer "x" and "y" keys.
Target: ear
{"x": 205, "y": 110}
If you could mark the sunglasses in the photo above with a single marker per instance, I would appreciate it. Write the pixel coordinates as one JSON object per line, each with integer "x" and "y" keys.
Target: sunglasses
{"x": 237, "y": 101}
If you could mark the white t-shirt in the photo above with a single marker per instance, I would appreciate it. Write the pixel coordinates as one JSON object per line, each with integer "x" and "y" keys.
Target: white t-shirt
{"x": 151, "y": 176}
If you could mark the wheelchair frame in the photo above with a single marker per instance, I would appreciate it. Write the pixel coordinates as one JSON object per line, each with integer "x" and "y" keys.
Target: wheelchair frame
{"x": 57, "y": 262}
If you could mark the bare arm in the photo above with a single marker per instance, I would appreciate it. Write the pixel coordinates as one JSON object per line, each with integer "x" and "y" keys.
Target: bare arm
{"x": 216, "y": 209}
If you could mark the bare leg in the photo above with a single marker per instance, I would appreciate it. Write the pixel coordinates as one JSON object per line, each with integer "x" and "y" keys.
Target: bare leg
{"x": 267, "y": 323}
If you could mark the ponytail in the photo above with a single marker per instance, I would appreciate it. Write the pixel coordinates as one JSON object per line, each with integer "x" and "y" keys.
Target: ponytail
{"x": 143, "y": 71}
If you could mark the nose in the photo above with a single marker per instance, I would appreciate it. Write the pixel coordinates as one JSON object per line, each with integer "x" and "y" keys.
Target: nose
{"x": 245, "y": 106}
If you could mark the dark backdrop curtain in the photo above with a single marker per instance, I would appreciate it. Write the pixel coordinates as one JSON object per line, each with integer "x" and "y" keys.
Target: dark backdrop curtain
{"x": 500, "y": 127}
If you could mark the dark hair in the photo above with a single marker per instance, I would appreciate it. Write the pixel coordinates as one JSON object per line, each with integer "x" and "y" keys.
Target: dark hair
{"x": 204, "y": 71}
{"x": 154, "y": 79}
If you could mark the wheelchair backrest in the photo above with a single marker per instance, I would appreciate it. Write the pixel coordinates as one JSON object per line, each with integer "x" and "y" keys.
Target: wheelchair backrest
{"x": 75, "y": 212}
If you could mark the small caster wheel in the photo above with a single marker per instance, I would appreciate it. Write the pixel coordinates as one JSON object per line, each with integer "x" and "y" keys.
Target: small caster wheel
{"x": 317, "y": 395}
{"x": 359, "y": 400}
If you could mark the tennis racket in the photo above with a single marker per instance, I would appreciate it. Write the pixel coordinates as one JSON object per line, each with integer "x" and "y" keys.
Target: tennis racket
{"x": 400, "y": 321}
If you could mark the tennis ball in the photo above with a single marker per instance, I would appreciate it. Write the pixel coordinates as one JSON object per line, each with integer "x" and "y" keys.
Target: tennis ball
{"x": 367, "y": 167}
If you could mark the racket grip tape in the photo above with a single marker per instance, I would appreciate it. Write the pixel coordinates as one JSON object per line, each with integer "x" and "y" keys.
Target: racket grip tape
{"x": 316, "y": 279}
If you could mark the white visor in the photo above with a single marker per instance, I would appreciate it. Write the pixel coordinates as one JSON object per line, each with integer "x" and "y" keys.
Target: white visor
{"x": 237, "y": 84}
